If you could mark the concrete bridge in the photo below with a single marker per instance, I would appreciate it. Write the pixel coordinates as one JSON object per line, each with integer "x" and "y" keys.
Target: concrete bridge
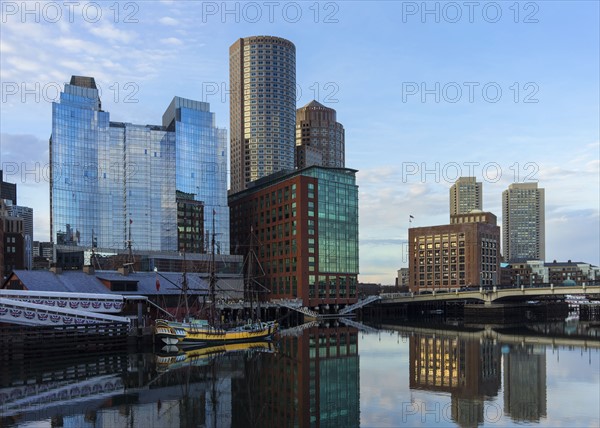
{"x": 493, "y": 294}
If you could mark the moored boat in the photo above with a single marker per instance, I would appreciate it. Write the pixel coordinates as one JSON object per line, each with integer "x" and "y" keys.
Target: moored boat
{"x": 202, "y": 332}
{"x": 194, "y": 333}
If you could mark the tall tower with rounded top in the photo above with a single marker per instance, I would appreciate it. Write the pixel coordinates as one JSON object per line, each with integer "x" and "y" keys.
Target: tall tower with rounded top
{"x": 262, "y": 75}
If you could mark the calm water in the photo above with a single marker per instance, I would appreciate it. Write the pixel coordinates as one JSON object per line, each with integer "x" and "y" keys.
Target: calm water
{"x": 417, "y": 375}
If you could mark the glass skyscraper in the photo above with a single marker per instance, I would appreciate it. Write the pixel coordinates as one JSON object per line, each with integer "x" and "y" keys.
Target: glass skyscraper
{"x": 109, "y": 179}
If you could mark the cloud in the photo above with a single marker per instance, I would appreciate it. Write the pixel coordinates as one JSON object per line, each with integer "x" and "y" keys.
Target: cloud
{"x": 74, "y": 45}
{"x": 108, "y": 31}
{"x": 171, "y": 41}
{"x": 167, "y": 20}
{"x": 18, "y": 149}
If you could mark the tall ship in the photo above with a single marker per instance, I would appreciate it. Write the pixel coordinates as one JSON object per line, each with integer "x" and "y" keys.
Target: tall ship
{"x": 193, "y": 332}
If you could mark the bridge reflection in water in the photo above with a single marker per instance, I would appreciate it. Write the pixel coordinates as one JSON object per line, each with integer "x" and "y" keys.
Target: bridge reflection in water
{"x": 309, "y": 378}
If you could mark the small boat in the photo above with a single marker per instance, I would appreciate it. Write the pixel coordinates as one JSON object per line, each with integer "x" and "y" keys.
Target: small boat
{"x": 202, "y": 332}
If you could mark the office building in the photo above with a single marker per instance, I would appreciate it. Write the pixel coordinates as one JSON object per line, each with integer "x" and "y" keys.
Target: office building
{"x": 262, "y": 73}
{"x": 523, "y": 223}
{"x": 115, "y": 182}
{"x": 463, "y": 253}
{"x": 13, "y": 242}
{"x": 26, "y": 214}
{"x": 537, "y": 272}
{"x": 465, "y": 196}
{"x": 319, "y": 137}
{"x": 8, "y": 190}
{"x": 306, "y": 222}
{"x": 402, "y": 280}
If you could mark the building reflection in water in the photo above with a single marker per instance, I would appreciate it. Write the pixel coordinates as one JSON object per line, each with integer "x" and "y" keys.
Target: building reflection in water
{"x": 310, "y": 380}
{"x": 525, "y": 382}
{"x": 467, "y": 369}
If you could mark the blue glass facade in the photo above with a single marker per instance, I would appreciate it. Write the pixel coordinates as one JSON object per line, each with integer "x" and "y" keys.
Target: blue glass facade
{"x": 79, "y": 130}
{"x": 108, "y": 178}
{"x": 201, "y": 159}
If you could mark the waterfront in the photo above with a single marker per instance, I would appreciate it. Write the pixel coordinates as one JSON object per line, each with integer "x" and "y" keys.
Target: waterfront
{"x": 338, "y": 376}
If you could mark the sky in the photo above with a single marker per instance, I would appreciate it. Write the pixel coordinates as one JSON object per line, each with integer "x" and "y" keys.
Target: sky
{"x": 427, "y": 92}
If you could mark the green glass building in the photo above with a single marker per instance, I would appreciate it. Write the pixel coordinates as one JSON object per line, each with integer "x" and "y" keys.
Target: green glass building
{"x": 306, "y": 222}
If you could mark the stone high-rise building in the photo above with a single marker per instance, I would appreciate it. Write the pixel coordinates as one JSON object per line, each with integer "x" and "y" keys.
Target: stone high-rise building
{"x": 262, "y": 74}
{"x": 319, "y": 137}
{"x": 523, "y": 222}
{"x": 465, "y": 196}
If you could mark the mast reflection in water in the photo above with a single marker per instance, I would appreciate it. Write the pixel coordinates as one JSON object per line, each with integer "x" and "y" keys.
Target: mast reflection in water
{"x": 406, "y": 375}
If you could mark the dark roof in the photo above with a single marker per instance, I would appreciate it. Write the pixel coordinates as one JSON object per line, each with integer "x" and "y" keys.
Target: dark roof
{"x": 83, "y": 82}
{"x": 147, "y": 282}
{"x": 69, "y": 281}
{"x": 569, "y": 263}
{"x": 80, "y": 282}
{"x": 315, "y": 103}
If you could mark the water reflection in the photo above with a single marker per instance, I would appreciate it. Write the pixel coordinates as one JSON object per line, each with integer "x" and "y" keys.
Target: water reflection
{"x": 469, "y": 370}
{"x": 307, "y": 379}
{"x": 525, "y": 383}
{"x": 312, "y": 381}
{"x": 408, "y": 374}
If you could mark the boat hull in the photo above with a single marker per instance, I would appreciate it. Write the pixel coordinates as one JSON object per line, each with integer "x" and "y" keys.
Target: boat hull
{"x": 182, "y": 335}
{"x": 199, "y": 356}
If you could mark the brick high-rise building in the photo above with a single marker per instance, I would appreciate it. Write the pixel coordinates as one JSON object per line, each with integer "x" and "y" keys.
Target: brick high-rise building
{"x": 306, "y": 222}
{"x": 463, "y": 253}
{"x": 262, "y": 74}
{"x": 319, "y": 137}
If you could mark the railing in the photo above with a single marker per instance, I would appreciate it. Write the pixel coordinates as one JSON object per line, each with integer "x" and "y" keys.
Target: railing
{"x": 296, "y": 331}
{"x": 359, "y": 326}
{"x": 89, "y": 302}
{"x": 359, "y": 304}
{"x": 25, "y": 313}
{"x": 296, "y": 306}
{"x": 492, "y": 293}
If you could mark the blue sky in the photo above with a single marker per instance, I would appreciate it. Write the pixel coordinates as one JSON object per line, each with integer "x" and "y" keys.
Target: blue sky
{"x": 506, "y": 91}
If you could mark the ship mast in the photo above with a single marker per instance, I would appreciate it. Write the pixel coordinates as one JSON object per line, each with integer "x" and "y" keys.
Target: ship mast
{"x": 184, "y": 288}
{"x": 212, "y": 278}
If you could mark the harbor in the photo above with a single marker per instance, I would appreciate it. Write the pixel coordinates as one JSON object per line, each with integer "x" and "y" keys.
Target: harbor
{"x": 508, "y": 376}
